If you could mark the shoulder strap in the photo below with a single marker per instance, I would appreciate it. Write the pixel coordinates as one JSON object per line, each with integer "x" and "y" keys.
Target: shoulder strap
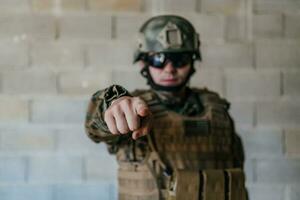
{"x": 210, "y": 98}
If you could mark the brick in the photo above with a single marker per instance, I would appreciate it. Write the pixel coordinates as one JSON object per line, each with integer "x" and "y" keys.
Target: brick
{"x": 210, "y": 26}
{"x": 85, "y": 82}
{"x": 24, "y": 191}
{"x": 130, "y": 79}
{"x": 210, "y": 78}
{"x": 27, "y": 140}
{"x": 58, "y": 110}
{"x": 40, "y": 169}
{"x": 85, "y": 27}
{"x": 115, "y": 5}
{"x": 278, "y": 171}
{"x": 292, "y": 27}
{"x": 266, "y": 192}
{"x": 292, "y": 142}
{"x": 253, "y": 84}
{"x": 293, "y": 192}
{"x": 249, "y": 168}
{"x": 10, "y": 6}
{"x": 13, "y": 55}
{"x": 91, "y": 191}
{"x": 13, "y": 109}
{"x": 62, "y": 5}
{"x": 291, "y": 83}
{"x": 107, "y": 171}
{"x": 78, "y": 142}
{"x": 285, "y": 113}
{"x": 262, "y": 143}
{"x": 109, "y": 55}
{"x": 73, "y": 5}
{"x": 268, "y": 6}
{"x": 235, "y": 28}
{"x": 154, "y": 6}
{"x": 127, "y": 26}
{"x": 223, "y": 6}
{"x": 45, "y": 5}
{"x": 275, "y": 6}
{"x": 57, "y": 56}
{"x": 57, "y": 6}
{"x": 12, "y": 169}
{"x": 180, "y": 6}
{"x": 29, "y": 82}
{"x": 242, "y": 113}
{"x": 24, "y": 27}
{"x": 277, "y": 54}
{"x": 268, "y": 26}
{"x": 227, "y": 55}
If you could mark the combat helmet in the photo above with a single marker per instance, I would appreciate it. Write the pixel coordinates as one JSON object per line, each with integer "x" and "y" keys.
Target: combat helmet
{"x": 168, "y": 33}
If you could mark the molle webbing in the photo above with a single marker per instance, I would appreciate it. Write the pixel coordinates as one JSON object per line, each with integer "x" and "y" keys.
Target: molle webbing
{"x": 210, "y": 185}
{"x": 136, "y": 183}
{"x": 193, "y": 142}
{"x": 185, "y": 144}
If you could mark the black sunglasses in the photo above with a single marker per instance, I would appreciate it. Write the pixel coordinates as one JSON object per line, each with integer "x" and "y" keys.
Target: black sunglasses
{"x": 159, "y": 60}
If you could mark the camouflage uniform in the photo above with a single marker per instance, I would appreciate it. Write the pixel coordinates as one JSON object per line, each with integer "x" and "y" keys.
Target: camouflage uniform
{"x": 191, "y": 153}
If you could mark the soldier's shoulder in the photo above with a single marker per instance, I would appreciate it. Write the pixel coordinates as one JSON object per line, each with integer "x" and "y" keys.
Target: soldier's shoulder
{"x": 211, "y": 97}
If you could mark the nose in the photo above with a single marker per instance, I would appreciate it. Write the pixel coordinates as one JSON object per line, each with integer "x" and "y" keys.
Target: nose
{"x": 169, "y": 67}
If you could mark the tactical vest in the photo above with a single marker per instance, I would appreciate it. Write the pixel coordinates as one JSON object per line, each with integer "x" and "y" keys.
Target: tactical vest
{"x": 184, "y": 158}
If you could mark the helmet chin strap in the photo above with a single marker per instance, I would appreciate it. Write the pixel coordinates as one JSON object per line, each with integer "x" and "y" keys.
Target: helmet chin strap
{"x": 145, "y": 73}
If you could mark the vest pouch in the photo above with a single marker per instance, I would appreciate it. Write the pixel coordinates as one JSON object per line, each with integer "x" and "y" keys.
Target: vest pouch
{"x": 212, "y": 185}
{"x": 236, "y": 184}
{"x": 187, "y": 185}
{"x": 204, "y": 185}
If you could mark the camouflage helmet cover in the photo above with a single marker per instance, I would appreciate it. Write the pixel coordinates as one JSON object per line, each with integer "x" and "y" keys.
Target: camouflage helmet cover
{"x": 168, "y": 33}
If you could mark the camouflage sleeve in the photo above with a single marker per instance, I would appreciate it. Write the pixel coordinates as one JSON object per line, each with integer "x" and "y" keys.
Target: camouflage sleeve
{"x": 95, "y": 126}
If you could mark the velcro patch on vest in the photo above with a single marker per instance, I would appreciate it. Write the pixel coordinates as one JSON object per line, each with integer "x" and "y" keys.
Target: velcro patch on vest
{"x": 196, "y": 127}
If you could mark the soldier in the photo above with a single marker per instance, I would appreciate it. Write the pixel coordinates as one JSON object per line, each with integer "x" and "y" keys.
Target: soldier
{"x": 171, "y": 141}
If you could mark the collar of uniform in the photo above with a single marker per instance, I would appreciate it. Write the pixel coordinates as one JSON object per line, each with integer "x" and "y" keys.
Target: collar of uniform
{"x": 187, "y": 104}
{"x": 171, "y": 98}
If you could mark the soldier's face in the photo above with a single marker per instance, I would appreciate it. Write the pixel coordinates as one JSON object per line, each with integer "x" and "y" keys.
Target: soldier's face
{"x": 169, "y": 75}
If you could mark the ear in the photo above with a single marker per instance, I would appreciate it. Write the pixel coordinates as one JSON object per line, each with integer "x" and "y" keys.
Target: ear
{"x": 141, "y": 64}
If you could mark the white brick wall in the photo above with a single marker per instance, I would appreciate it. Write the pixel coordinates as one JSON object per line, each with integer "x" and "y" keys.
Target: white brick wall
{"x": 85, "y": 27}
{"x": 247, "y": 84}
{"x": 13, "y": 110}
{"x": 211, "y": 27}
{"x": 222, "y": 6}
{"x": 27, "y": 27}
{"x": 292, "y": 25}
{"x": 109, "y": 55}
{"x": 10, "y": 5}
{"x": 55, "y": 54}
{"x": 127, "y": 26}
{"x": 229, "y": 55}
{"x": 84, "y": 82}
{"x": 29, "y": 82}
{"x": 277, "y": 53}
{"x": 268, "y": 26}
{"x": 13, "y": 55}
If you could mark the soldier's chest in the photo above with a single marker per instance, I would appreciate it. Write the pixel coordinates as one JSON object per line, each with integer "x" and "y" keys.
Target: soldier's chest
{"x": 193, "y": 142}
